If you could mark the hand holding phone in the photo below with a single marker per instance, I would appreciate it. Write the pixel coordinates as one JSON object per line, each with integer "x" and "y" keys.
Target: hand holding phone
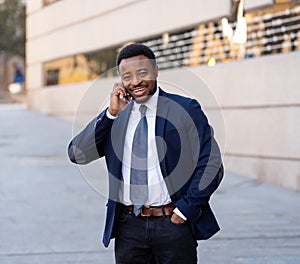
{"x": 119, "y": 99}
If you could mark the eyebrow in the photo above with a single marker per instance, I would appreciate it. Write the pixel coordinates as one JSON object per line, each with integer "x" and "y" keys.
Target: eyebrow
{"x": 138, "y": 70}
{"x": 125, "y": 73}
{"x": 143, "y": 69}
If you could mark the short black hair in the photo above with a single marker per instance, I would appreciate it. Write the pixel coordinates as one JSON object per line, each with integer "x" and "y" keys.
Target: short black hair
{"x": 136, "y": 49}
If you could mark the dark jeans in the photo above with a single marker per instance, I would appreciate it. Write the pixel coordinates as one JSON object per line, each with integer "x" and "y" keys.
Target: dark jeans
{"x": 153, "y": 240}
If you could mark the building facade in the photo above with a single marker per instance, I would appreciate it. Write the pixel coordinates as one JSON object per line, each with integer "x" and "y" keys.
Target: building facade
{"x": 240, "y": 59}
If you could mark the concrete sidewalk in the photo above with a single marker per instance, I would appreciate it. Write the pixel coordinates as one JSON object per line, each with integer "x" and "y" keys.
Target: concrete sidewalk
{"x": 49, "y": 214}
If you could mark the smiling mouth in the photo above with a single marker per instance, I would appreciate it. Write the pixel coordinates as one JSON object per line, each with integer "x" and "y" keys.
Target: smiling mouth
{"x": 138, "y": 89}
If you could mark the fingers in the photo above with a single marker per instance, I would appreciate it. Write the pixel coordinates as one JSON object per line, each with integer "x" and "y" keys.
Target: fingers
{"x": 118, "y": 99}
{"x": 177, "y": 219}
{"x": 119, "y": 91}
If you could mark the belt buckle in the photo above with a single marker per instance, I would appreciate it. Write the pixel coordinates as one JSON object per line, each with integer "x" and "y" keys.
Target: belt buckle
{"x": 148, "y": 207}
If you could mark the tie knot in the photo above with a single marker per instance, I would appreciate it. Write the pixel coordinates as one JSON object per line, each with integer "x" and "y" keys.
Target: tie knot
{"x": 143, "y": 110}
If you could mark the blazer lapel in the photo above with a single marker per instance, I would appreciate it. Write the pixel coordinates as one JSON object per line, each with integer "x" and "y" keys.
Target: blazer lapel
{"x": 163, "y": 107}
{"x": 118, "y": 133}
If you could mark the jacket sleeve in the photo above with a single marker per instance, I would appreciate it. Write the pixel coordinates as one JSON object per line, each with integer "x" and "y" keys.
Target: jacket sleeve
{"x": 208, "y": 171}
{"x": 88, "y": 145}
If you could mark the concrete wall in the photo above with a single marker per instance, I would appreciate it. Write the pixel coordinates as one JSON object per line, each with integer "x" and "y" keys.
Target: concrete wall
{"x": 69, "y": 27}
{"x": 259, "y": 98}
{"x": 257, "y": 3}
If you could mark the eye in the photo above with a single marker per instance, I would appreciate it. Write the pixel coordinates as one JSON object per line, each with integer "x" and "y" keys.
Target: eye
{"x": 143, "y": 73}
{"x": 126, "y": 77}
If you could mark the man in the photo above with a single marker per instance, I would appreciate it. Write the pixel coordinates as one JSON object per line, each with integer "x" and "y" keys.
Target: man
{"x": 163, "y": 165}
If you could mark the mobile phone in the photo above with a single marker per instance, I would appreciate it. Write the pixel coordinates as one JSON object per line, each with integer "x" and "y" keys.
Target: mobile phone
{"x": 128, "y": 96}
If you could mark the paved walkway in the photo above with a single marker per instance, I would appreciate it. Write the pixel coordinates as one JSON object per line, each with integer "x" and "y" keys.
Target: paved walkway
{"x": 49, "y": 214}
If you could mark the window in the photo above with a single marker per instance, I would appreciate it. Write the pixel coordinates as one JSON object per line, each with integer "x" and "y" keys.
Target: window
{"x": 49, "y": 2}
{"x": 272, "y": 30}
{"x": 52, "y": 77}
{"x": 81, "y": 67}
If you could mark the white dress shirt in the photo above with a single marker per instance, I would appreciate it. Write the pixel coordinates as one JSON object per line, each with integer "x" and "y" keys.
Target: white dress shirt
{"x": 157, "y": 189}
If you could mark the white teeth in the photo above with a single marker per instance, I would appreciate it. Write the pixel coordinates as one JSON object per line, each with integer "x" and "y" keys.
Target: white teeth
{"x": 138, "y": 90}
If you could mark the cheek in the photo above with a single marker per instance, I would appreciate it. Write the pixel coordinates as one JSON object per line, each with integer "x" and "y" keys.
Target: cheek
{"x": 151, "y": 83}
{"x": 126, "y": 85}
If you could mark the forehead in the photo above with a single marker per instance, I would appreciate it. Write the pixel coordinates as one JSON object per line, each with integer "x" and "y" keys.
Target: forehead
{"x": 134, "y": 63}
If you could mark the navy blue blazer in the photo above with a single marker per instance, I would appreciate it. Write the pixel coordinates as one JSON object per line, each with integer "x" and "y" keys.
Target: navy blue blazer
{"x": 190, "y": 160}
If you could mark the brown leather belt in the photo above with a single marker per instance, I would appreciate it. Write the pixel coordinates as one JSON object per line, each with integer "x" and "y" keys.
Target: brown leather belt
{"x": 155, "y": 210}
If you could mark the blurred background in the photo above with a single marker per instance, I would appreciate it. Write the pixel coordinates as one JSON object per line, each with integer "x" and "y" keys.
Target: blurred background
{"x": 247, "y": 52}
{"x": 239, "y": 58}
{"x": 12, "y": 47}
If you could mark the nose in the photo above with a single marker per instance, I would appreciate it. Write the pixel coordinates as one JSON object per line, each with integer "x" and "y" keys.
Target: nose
{"x": 135, "y": 79}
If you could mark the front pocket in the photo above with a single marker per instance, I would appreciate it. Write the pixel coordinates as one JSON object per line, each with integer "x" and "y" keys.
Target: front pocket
{"x": 175, "y": 224}
{"x": 123, "y": 217}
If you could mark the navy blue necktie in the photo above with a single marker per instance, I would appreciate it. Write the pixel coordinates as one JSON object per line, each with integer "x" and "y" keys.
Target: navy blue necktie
{"x": 138, "y": 171}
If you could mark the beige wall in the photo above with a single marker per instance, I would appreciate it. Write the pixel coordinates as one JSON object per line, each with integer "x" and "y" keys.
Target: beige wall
{"x": 69, "y": 27}
{"x": 259, "y": 97}
{"x": 250, "y": 4}
{"x": 259, "y": 100}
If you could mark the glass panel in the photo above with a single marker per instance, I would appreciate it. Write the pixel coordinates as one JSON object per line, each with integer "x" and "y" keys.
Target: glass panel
{"x": 282, "y": 1}
{"x": 268, "y": 31}
{"x": 49, "y": 2}
{"x": 80, "y": 68}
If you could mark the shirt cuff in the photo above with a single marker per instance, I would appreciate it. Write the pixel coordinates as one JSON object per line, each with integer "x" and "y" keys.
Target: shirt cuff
{"x": 109, "y": 115}
{"x": 176, "y": 211}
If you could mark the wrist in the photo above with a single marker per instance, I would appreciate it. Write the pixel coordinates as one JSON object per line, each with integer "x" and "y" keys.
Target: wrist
{"x": 178, "y": 212}
{"x": 112, "y": 112}
{"x": 177, "y": 219}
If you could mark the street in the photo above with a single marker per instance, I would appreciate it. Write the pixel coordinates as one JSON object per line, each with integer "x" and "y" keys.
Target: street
{"x": 50, "y": 214}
